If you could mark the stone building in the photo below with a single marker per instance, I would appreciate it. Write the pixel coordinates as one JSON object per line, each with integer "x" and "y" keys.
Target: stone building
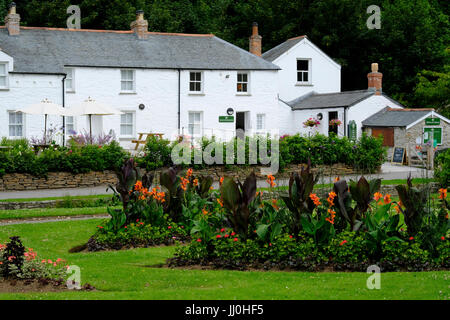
{"x": 409, "y": 128}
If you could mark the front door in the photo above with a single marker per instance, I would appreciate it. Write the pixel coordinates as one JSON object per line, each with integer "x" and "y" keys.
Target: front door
{"x": 240, "y": 124}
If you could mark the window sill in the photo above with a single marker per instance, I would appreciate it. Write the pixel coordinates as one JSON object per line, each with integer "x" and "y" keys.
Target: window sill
{"x": 304, "y": 84}
{"x": 4, "y": 89}
{"x": 70, "y": 91}
{"x": 243, "y": 94}
{"x": 123, "y": 138}
{"x": 127, "y": 92}
{"x": 196, "y": 94}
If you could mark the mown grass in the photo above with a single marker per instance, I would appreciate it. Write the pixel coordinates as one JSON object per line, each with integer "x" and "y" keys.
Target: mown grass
{"x": 49, "y": 212}
{"x": 66, "y": 198}
{"x": 127, "y": 275}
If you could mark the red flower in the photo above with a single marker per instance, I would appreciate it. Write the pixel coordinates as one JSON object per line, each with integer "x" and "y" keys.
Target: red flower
{"x": 137, "y": 220}
{"x": 233, "y": 233}
{"x": 343, "y": 242}
{"x": 169, "y": 227}
{"x": 199, "y": 240}
{"x": 218, "y": 236}
{"x": 411, "y": 238}
{"x": 222, "y": 230}
{"x": 125, "y": 227}
{"x": 442, "y": 238}
{"x": 235, "y": 239}
{"x": 226, "y": 236}
{"x": 290, "y": 236}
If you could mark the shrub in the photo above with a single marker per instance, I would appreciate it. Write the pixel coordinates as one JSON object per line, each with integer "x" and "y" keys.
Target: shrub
{"x": 442, "y": 168}
{"x": 156, "y": 154}
{"x": 397, "y": 255}
{"x": 369, "y": 153}
{"x": 347, "y": 248}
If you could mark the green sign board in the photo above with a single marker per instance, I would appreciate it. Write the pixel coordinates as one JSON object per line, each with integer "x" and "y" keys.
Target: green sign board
{"x": 226, "y": 118}
{"x": 352, "y": 130}
{"x": 436, "y": 133}
{"x": 432, "y": 121}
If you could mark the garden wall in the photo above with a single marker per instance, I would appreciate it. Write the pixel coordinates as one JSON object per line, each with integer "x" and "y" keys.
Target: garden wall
{"x": 57, "y": 180}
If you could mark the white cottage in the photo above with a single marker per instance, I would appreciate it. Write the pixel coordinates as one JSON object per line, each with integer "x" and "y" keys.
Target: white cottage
{"x": 171, "y": 83}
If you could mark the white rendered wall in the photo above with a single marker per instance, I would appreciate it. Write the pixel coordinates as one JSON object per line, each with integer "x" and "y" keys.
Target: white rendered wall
{"x": 325, "y": 74}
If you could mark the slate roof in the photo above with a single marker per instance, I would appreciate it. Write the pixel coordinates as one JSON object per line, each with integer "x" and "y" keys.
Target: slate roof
{"x": 324, "y": 100}
{"x": 277, "y": 51}
{"x": 389, "y": 117}
{"x": 48, "y": 50}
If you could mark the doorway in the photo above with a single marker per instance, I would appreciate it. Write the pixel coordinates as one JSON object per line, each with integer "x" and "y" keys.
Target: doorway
{"x": 240, "y": 124}
{"x": 332, "y": 115}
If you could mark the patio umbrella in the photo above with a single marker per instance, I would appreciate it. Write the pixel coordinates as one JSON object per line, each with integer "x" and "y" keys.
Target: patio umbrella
{"x": 91, "y": 107}
{"x": 46, "y": 108}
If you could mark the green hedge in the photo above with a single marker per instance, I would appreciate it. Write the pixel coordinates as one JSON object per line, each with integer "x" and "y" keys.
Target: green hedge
{"x": 76, "y": 159}
{"x": 442, "y": 169}
{"x": 367, "y": 154}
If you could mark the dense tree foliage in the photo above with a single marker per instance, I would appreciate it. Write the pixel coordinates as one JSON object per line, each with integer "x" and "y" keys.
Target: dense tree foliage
{"x": 413, "y": 35}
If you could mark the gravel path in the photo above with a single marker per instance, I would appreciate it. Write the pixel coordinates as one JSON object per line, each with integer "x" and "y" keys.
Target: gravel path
{"x": 7, "y": 222}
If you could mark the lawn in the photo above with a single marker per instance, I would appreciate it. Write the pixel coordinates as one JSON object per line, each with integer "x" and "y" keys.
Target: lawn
{"x": 128, "y": 275}
{"x": 49, "y": 212}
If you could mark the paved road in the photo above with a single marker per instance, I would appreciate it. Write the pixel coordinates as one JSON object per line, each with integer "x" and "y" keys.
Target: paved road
{"x": 388, "y": 172}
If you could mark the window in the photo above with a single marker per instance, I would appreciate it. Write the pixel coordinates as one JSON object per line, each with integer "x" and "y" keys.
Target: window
{"x": 260, "y": 122}
{"x": 70, "y": 79}
{"x": 303, "y": 70}
{"x": 70, "y": 125}
{"x": 242, "y": 83}
{"x": 195, "y": 82}
{"x": 127, "y": 82}
{"x": 195, "y": 124}
{"x": 3, "y": 75}
{"x": 127, "y": 124}
{"x": 15, "y": 124}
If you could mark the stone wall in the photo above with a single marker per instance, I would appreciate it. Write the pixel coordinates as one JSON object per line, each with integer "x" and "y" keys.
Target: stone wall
{"x": 57, "y": 180}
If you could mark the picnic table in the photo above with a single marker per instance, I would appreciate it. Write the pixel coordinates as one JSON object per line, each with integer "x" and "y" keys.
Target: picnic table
{"x": 143, "y": 137}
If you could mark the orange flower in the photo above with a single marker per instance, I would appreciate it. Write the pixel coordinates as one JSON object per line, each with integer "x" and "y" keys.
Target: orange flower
{"x": 189, "y": 172}
{"x": 270, "y": 180}
{"x": 195, "y": 182}
{"x": 397, "y": 208}
{"x": 330, "y": 219}
{"x": 387, "y": 199}
{"x": 442, "y": 193}
{"x": 138, "y": 186}
{"x": 337, "y": 179}
{"x": 274, "y": 204}
{"x": 205, "y": 212}
{"x": 184, "y": 183}
{"x": 377, "y": 196}
{"x": 331, "y": 197}
{"x": 219, "y": 201}
{"x": 315, "y": 199}
{"x": 221, "y": 180}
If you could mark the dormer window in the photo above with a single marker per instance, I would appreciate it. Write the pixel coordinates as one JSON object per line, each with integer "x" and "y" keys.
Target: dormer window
{"x": 4, "y": 83}
{"x": 303, "y": 71}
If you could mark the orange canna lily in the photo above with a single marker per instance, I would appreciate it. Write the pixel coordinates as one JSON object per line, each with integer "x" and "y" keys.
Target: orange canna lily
{"x": 377, "y": 196}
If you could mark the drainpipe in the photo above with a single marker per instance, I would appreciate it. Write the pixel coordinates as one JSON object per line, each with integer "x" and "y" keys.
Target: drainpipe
{"x": 345, "y": 121}
{"x": 64, "y": 105}
{"x": 179, "y": 101}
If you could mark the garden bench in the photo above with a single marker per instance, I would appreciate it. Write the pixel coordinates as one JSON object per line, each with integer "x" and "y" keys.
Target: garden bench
{"x": 140, "y": 140}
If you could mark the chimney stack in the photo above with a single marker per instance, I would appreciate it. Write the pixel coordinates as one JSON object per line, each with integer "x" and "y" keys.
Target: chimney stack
{"x": 140, "y": 25}
{"x": 255, "y": 41}
{"x": 12, "y": 21}
{"x": 375, "y": 79}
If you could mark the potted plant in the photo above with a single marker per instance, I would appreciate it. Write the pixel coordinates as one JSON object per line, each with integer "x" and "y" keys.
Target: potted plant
{"x": 311, "y": 123}
{"x": 335, "y": 123}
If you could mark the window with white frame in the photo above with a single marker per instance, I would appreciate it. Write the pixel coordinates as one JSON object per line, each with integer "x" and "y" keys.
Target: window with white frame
{"x": 303, "y": 71}
{"x": 3, "y": 75}
{"x": 16, "y": 127}
{"x": 242, "y": 82}
{"x": 70, "y": 125}
{"x": 195, "y": 82}
{"x": 195, "y": 124}
{"x": 70, "y": 79}
{"x": 127, "y": 124}
{"x": 260, "y": 122}
{"x": 127, "y": 80}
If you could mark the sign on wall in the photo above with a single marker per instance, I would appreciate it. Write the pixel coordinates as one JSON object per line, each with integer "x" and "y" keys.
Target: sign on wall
{"x": 226, "y": 118}
{"x": 352, "y": 130}
{"x": 432, "y": 121}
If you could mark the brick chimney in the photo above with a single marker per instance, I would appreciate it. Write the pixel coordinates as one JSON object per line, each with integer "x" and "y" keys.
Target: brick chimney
{"x": 375, "y": 79}
{"x": 140, "y": 25}
{"x": 255, "y": 41}
{"x": 12, "y": 21}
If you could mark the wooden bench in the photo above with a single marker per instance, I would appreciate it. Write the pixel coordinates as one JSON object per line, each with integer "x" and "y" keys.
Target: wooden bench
{"x": 141, "y": 139}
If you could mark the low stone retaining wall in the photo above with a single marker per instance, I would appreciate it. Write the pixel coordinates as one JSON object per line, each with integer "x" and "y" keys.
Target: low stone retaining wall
{"x": 57, "y": 180}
